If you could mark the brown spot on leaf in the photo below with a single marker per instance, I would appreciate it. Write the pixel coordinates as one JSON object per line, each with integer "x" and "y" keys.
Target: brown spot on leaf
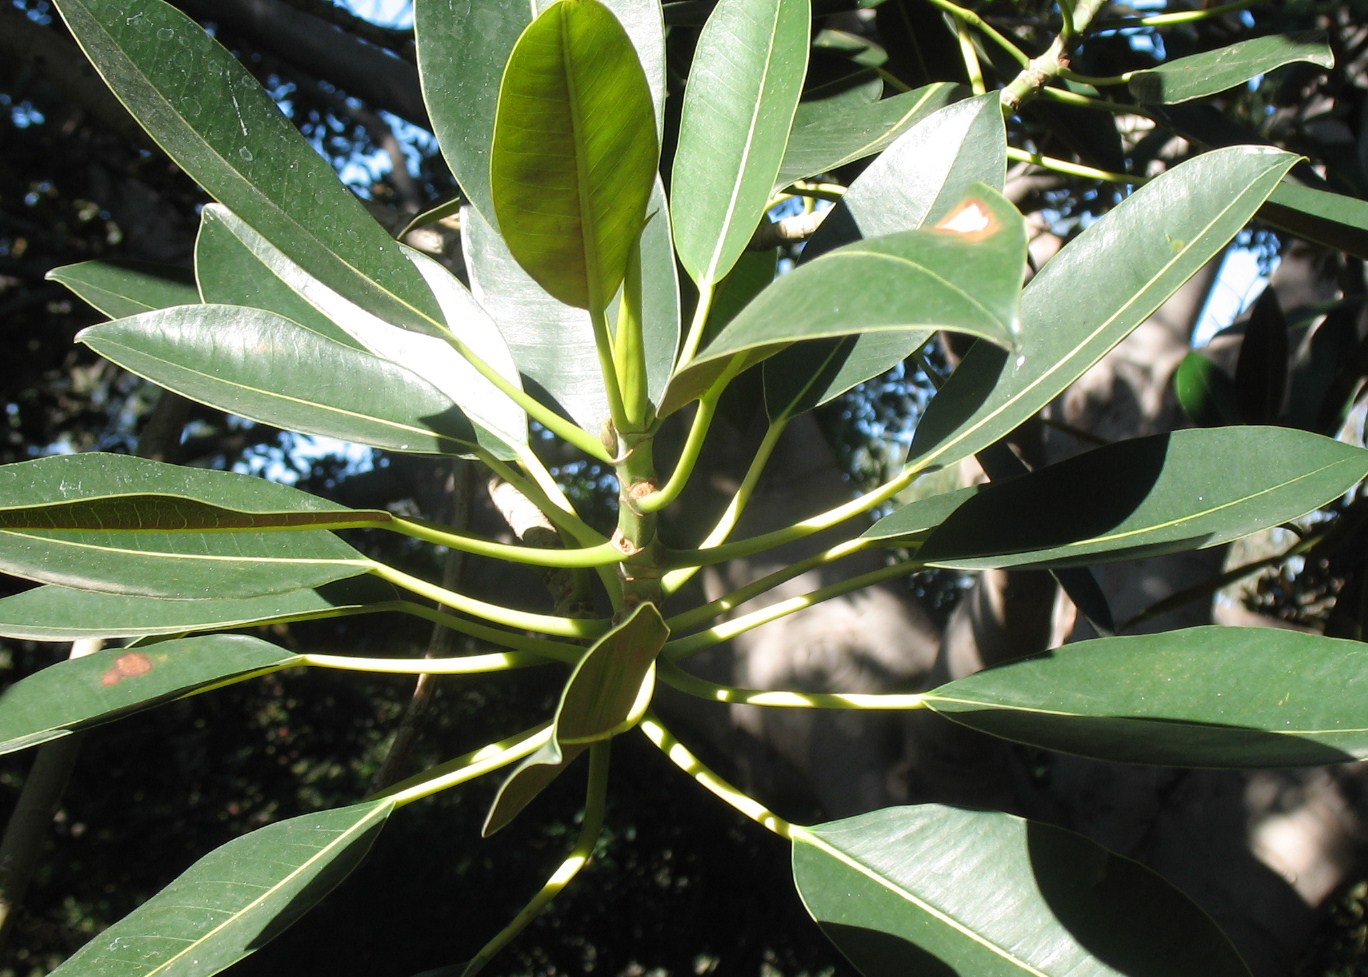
{"x": 971, "y": 219}
{"x": 129, "y": 665}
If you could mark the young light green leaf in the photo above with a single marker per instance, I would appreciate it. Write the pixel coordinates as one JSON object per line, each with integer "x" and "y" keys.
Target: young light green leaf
{"x": 209, "y": 114}
{"x": 1145, "y": 497}
{"x": 963, "y": 276}
{"x": 607, "y": 694}
{"x": 269, "y": 369}
{"x": 499, "y": 422}
{"x": 888, "y": 888}
{"x": 828, "y": 133}
{"x": 1200, "y": 697}
{"x": 1213, "y": 72}
{"x": 124, "y": 288}
{"x": 739, "y": 103}
{"x": 1133, "y": 259}
{"x": 55, "y": 613}
{"x": 575, "y": 152}
{"x": 461, "y": 63}
{"x": 235, "y": 899}
{"x": 82, "y": 692}
{"x": 928, "y": 170}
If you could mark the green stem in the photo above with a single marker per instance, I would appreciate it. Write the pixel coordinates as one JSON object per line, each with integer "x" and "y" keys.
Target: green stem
{"x": 1192, "y": 16}
{"x": 1037, "y": 72}
{"x": 564, "y": 627}
{"x": 727, "y": 603}
{"x": 675, "y": 677}
{"x": 592, "y": 556}
{"x": 464, "y": 768}
{"x": 969, "y": 58}
{"x": 694, "y": 338}
{"x": 498, "y": 661}
{"x": 718, "y": 633}
{"x": 986, "y": 29}
{"x": 591, "y": 829}
{"x": 1072, "y": 169}
{"x": 603, "y": 344}
{"x": 542, "y": 489}
{"x": 539, "y": 647}
{"x": 688, "y": 456}
{"x": 683, "y": 758}
{"x": 735, "y": 507}
{"x": 1066, "y": 97}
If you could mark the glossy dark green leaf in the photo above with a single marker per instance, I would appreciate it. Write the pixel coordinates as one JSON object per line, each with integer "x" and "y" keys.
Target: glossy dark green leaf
{"x": 230, "y": 271}
{"x": 461, "y": 62}
{"x": 81, "y": 692}
{"x": 1326, "y": 378}
{"x": 921, "y": 516}
{"x": 267, "y": 368}
{"x": 235, "y": 899}
{"x": 499, "y": 422}
{"x": 123, "y": 288}
{"x": 828, "y": 133}
{"x": 104, "y": 491}
{"x": 1160, "y": 494}
{"x": 1212, "y": 72}
{"x": 1133, "y": 259}
{"x": 1261, "y": 370}
{"x": 1201, "y": 697}
{"x": 1333, "y": 219}
{"x": 575, "y": 152}
{"x": 55, "y": 613}
{"x": 891, "y": 890}
{"x": 739, "y": 104}
{"x": 928, "y": 170}
{"x": 963, "y": 277}
{"x": 184, "y": 566}
{"x": 1205, "y": 392}
{"x": 212, "y": 117}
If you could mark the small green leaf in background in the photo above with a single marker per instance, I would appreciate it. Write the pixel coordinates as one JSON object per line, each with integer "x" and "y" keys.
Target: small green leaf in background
{"x": 235, "y": 899}
{"x": 1212, "y": 72}
{"x": 890, "y": 890}
{"x": 53, "y": 613}
{"x": 212, "y": 117}
{"x": 963, "y": 277}
{"x": 575, "y": 152}
{"x": 124, "y": 288}
{"x": 1261, "y": 370}
{"x": 1145, "y": 497}
{"x": 1205, "y": 392}
{"x": 1338, "y": 221}
{"x": 1200, "y": 697}
{"x": 532, "y": 776}
{"x": 1131, "y": 262}
{"x": 82, "y": 692}
{"x": 743, "y": 90}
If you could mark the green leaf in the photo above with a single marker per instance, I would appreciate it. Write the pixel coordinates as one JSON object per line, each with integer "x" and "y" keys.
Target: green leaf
{"x": 607, "y": 694}
{"x": 123, "y": 288}
{"x": 499, "y": 422}
{"x": 1213, "y": 72}
{"x": 209, "y": 114}
{"x": 911, "y": 284}
{"x": 1205, "y": 392}
{"x": 461, "y": 62}
{"x": 1200, "y": 697}
{"x": 1132, "y": 259}
{"x": 1333, "y": 219}
{"x": 55, "y": 613}
{"x": 231, "y": 271}
{"x": 928, "y": 170}
{"x": 269, "y": 369}
{"x": 237, "y": 898}
{"x": 830, "y": 132}
{"x": 82, "y": 692}
{"x": 739, "y": 104}
{"x": 1261, "y": 370}
{"x": 920, "y": 516}
{"x": 553, "y": 343}
{"x": 1145, "y": 497}
{"x": 889, "y": 888}
{"x": 109, "y": 492}
{"x": 575, "y": 152}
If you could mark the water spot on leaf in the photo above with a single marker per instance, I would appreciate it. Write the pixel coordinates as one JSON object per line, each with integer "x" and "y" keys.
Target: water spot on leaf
{"x": 129, "y": 665}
